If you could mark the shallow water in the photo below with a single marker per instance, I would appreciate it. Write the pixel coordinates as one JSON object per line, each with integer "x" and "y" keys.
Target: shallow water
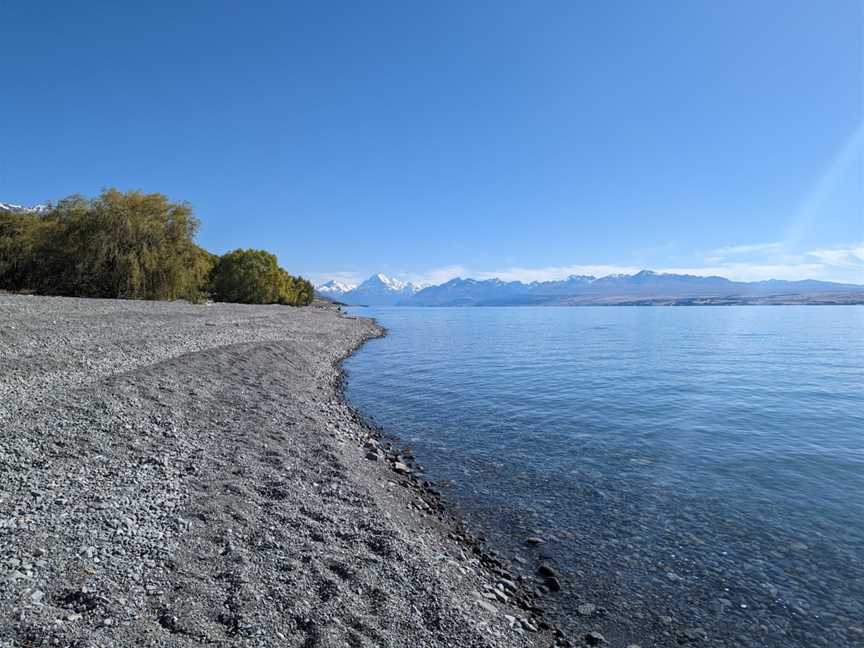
{"x": 697, "y": 468}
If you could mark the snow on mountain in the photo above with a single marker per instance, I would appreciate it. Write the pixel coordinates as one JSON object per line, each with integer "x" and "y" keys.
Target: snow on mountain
{"x": 11, "y": 207}
{"x": 377, "y": 290}
{"x": 642, "y": 287}
{"x": 385, "y": 281}
{"x": 334, "y": 288}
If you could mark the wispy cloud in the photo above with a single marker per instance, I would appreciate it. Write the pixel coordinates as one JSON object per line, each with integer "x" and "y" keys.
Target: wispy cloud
{"x": 842, "y": 257}
{"x": 553, "y": 273}
{"x": 733, "y": 250}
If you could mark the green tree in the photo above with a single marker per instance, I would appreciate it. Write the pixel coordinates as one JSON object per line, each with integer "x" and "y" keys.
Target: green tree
{"x": 247, "y": 277}
{"x": 254, "y": 277}
{"x": 133, "y": 245}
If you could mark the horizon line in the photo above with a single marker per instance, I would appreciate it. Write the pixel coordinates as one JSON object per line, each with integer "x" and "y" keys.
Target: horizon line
{"x": 350, "y": 285}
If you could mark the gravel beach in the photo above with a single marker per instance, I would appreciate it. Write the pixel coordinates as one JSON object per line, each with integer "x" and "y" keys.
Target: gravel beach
{"x": 178, "y": 474}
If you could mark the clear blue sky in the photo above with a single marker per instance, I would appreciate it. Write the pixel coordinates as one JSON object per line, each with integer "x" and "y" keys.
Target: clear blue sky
{"x": 427, "y": 139}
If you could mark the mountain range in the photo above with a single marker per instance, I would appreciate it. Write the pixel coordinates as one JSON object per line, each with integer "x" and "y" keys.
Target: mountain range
{"x": 645, "y": 287}
{"x": 20, "y": 209}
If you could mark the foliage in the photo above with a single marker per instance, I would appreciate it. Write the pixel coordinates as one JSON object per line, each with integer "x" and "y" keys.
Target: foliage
{"x": 132, "y": 245}
{"x": 254, "y": 277}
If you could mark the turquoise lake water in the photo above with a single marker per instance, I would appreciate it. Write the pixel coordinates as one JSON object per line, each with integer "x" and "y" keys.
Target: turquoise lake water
{"x": 698, "y": 472}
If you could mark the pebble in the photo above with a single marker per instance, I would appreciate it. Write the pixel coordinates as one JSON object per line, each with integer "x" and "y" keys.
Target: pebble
{"x": 401, "y": 468}
{"x": 487, "y": 606}
{"x": 507, "y": 584}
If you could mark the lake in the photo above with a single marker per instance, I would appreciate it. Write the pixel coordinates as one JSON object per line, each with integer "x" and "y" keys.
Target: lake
{"x": 697, "y": 472}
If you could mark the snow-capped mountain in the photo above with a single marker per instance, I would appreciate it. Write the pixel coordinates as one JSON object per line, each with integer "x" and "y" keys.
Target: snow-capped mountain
{"x": 641, "y": 288}
{"x": 35, "y": 209}
{"x": 377, "y": 290}
{"x": 334, "y": 289}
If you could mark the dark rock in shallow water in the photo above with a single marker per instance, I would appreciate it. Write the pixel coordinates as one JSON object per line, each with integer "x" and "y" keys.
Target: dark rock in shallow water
{"x": 594, "y": 638}
{"x": 546, "y": 570}
{"x": 533, "y": 540}
{"x": 553, "y": 584}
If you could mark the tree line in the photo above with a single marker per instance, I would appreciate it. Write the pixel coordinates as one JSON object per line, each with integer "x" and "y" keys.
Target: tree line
{"x": 132, "y": 245}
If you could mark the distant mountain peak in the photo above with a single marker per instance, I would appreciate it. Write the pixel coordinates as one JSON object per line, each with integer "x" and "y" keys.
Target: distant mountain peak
{"x": 377, "y": 290}
{"x": 333, "y": 287}
{"x": 21, "y": 209}
{"x": 381, "y": 279}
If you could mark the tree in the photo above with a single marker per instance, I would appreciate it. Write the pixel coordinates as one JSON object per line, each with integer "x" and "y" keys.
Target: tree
{"x": 254, "y": 277}
{"x": 133, "y": 245}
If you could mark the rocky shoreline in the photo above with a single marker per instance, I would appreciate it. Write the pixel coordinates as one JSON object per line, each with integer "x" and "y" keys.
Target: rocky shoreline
{"x": 178, "y": 475}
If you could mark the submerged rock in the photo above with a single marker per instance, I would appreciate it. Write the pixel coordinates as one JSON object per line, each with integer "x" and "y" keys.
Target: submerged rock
{"x": 547, "y": 571}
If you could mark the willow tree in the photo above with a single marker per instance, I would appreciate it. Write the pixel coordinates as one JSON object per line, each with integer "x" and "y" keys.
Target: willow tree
{"x": 121, "y": 244}
{"x": 133, "y": 245}
{"x": 254, "y": 277}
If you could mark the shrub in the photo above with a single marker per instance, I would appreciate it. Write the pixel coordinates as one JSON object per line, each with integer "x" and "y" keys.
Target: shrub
{"x": 254, "y": 277}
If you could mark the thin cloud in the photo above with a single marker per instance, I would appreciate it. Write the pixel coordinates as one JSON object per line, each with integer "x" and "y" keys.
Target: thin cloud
{"x": 842, "y": 257}
{"x": 752, "y": 248}
{"x": 554, "y": 273}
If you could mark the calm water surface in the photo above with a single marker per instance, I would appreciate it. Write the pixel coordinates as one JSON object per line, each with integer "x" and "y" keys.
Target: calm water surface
{"x": 698, "y": 471}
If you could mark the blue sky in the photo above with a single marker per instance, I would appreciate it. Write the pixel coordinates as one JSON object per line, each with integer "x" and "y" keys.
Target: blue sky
{"x": 432, "y": 139}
